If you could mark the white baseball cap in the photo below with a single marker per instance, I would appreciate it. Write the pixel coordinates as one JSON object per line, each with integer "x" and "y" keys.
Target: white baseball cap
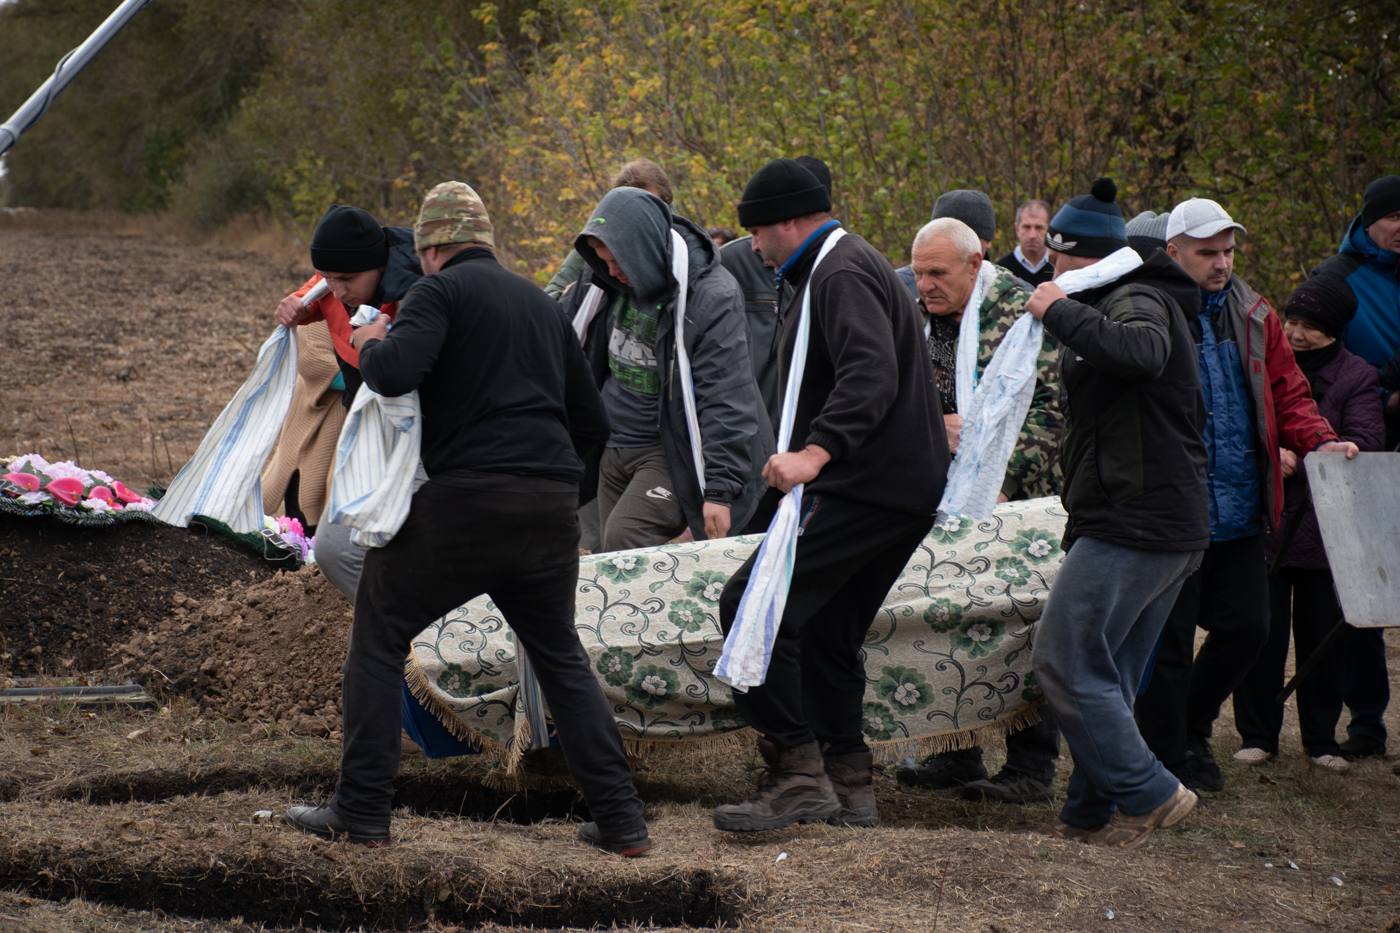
{"x": 1199, "y": 218}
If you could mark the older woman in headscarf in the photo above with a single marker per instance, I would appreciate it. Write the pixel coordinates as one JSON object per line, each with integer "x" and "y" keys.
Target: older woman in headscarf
{"x": 1300, "y": 586}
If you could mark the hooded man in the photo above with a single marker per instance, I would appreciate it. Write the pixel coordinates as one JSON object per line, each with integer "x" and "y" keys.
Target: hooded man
{"x": 1369, "y": 261}
{"x": 509, "y": 408}
{"x": 867, "y": 441}
{"x": 1135, "y": 489}
{"x": 650, "y": 486}
{"x": 1260, "y": 418}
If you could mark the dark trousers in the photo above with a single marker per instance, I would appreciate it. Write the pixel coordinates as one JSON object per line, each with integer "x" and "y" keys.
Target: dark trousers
{"x": 848, "y": 557}
{"x": 1366, "y": 687}
{"x": 521, "y": 548}
{"x": 1306, "y": 597}
{"x": 1228, "y": 596}
{"x": 1034, "y": 749}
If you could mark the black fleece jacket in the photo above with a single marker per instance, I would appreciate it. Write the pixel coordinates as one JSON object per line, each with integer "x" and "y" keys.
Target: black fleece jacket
{"x": 501, "y": 378}
{"x": 868, "y": 397}
{"x": 1133, "y": 459}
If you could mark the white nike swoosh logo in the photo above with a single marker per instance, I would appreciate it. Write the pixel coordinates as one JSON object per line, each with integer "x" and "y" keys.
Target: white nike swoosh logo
{"x": 659, "y": 493}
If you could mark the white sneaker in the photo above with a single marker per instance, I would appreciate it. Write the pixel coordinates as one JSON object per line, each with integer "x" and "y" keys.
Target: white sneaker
{"x": 1253, "y": 756}
{"x": 1334, "y": 763}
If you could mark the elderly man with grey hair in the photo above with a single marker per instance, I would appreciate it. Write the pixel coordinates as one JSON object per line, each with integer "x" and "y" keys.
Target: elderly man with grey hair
{"x": 975, "y": 211}
{"x": 946, "y": 258}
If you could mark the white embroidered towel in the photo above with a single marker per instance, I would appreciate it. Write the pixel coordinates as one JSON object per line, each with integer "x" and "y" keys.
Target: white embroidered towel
{"x": 1002, "y": 397}
{"x": 377, "y": 466}
{"x": 223, "y": 479}
{"x": 749, "y": 645}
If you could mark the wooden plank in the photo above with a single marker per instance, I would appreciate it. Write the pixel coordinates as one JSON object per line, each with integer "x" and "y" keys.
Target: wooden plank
{"x": 1358, "y": 510}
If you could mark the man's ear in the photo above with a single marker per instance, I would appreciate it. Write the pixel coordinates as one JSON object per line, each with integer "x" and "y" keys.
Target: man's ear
{"x": 1173, "y": 252}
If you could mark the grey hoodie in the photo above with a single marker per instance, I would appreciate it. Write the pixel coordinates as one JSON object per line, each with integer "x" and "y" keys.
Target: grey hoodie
{"x": 736, "y": 437}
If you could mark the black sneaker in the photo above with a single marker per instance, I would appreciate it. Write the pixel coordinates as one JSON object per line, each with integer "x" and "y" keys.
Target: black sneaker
{"x": 949, "y": 769}
{"x": 1357, "y": 747}
{"x": 631, "y": 845}
{"x": 1010, "y": 787}
{"x": 326, "y": 823}
{"x": 1200, "y": 764}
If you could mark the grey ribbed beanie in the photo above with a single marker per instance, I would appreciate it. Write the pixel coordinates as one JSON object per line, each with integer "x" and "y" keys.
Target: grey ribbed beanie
{"x": 1147, "y": 232}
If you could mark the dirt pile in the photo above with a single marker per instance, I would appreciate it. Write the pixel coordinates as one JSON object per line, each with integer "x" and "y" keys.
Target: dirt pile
{"x": 267, "y": 652}
{"x": 68, "y": 593}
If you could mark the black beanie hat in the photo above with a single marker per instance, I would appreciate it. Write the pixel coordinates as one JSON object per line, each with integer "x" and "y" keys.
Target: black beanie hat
{"x": 348, "y": 240}
{"x": 782, "y": 190}
{"x": 1325, "y": 301}
{"x": 1382, "y": 199}
{"x": 818, "y": 168}
{"x": 1090, "y": 225}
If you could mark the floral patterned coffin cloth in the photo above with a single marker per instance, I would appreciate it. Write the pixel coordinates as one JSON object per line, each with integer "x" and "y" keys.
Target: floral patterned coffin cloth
{"x": 947, "y": 659}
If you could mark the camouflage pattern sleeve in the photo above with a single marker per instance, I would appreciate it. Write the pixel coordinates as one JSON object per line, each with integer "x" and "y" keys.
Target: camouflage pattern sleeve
{"x": 1034, "y": 468}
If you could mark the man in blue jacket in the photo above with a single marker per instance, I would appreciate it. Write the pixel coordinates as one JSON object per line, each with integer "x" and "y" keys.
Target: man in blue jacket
{"x": 1369, "y": 260}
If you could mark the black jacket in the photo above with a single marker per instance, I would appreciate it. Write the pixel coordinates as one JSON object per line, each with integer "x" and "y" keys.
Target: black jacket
{"x": 736, "y": 436}
{"x": 868, "y": 397}
{"x": 503, "y": 384}
{"x": 1133, "y": 459}
{"x": 762, "y": 297}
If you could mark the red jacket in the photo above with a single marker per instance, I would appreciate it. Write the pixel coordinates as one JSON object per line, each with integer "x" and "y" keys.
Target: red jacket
{"x": 1284, "y": 411}
{"x": 337, "y": 318}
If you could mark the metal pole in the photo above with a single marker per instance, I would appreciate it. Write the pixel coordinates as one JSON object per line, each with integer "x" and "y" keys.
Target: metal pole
{"x": 68, "y": 67}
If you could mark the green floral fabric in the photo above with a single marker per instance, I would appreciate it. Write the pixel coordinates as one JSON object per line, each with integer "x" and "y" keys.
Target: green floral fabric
{"x": 949, "y": 650}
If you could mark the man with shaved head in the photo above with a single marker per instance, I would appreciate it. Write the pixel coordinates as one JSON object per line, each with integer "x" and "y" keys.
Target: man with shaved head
{"x": 946, "y": 258}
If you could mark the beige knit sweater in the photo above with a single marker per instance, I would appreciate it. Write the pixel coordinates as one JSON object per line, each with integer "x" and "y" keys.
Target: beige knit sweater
{"x": 309, "y": 435}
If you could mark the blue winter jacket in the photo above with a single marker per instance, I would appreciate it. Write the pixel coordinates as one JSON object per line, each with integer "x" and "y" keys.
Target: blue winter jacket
{"x": 1374, "y": 275}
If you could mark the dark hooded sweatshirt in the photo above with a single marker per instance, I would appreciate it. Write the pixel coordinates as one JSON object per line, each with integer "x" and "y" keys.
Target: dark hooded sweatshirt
{"x": 1133, "y": 459}
{"x": 736, "y": 437}
{"x": 868, "y": 397}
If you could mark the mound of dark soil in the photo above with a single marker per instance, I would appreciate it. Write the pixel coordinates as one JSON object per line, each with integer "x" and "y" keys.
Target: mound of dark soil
{"x": 268, "y": 651}
{"x": 68, "y": 593}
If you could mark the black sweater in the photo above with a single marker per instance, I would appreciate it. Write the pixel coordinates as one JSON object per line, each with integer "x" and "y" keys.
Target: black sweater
{"x": 499, "y": 372}
{"x": 868, "y": 397}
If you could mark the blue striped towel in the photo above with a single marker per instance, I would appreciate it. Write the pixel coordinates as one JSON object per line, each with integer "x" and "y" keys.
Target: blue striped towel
{"x": 376, "y": 460}
{"x": 223, "y": 479}
{"x": 749, "y": 646}
{"x": 1001, "y": 398}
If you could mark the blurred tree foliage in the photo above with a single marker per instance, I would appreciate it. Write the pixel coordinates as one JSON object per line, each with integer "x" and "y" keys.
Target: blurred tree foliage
{"x": 1281, "y": 110}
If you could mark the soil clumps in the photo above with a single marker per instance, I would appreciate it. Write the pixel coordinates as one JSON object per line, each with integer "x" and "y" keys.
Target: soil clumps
{"x": 68, "y": 593}
{"x": 268, "y": 651}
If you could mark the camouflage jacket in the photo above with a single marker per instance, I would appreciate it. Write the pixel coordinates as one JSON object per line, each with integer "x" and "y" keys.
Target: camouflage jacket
{"x": 1034, "y": 468}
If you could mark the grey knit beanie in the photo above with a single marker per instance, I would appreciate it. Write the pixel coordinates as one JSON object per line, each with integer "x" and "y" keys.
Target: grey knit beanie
{"x": 1147, "y": 232}
{"x": 971, "y": 207}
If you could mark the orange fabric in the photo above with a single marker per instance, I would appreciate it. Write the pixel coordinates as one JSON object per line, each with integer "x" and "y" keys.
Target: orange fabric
{"x": 337, "y": 318}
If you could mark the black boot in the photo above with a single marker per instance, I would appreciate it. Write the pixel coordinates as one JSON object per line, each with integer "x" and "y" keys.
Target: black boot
{"x": 853, "y": 778}
{"x": 795, "y": 790}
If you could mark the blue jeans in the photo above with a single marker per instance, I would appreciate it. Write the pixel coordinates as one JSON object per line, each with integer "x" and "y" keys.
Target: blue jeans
{"x": 1105, "y": 611}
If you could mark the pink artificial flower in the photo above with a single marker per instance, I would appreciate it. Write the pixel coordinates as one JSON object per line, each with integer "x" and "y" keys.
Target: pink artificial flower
{"x": 33, "y": 461}
{"x": 126, "y": 495}
{"x": 27, "y": 480}
{"x": 291, "y": 525}
{"x": 100, "y": 492}
{"x": 66, "y": 489}
{"x": 68, "y": 470}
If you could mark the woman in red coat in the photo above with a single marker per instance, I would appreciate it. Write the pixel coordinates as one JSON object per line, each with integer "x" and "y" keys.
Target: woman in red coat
{"x": 1300, "y": 587}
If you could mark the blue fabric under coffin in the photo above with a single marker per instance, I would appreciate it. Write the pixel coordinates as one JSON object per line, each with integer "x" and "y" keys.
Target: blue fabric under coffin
{"x": 432, "y": 736}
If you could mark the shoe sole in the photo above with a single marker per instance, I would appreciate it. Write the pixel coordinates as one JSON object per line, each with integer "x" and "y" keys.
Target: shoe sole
{"x": 735, "y": 823}
{"x": 330, "y": 835}
{"x": 861, "y": 817}
{"x": 626, "y": 850}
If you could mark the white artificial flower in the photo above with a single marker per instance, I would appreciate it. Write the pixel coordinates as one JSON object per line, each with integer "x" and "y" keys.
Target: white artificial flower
{"x": 97, "y": 505}
{"x": 35, "y": 498}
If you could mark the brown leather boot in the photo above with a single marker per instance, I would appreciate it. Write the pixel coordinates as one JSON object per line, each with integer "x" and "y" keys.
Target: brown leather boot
{"x": 853, "y": 778}
{"x": 795, "y": 790}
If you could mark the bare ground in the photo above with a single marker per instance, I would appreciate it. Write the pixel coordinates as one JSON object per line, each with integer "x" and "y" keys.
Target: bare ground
{"x": 126, "y": 343}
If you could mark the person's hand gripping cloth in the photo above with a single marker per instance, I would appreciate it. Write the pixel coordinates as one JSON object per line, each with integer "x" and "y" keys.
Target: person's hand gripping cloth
{"x": 749, "y": 646}
{"x": 377, "y": 465}
{"x": 994, "y": 407}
